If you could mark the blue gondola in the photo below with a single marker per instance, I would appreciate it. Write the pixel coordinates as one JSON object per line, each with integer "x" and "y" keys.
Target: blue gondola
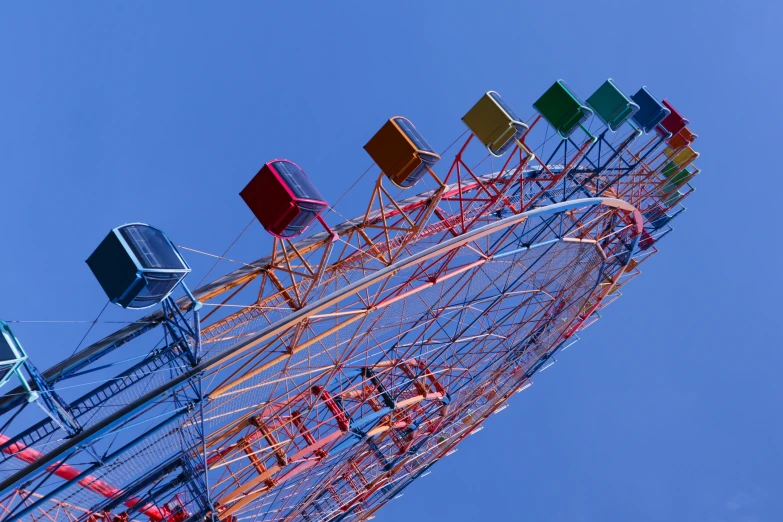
{"x": 651, "y": 112}
{"x": 137, "y": 266}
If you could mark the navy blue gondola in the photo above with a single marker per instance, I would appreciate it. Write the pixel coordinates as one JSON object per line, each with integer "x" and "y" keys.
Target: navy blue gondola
{"x": 137, "y": 266}
{"x": 651, "y": 112}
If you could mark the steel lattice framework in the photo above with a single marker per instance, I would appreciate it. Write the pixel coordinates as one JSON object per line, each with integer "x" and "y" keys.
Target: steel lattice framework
{"x": 330, "y": 374}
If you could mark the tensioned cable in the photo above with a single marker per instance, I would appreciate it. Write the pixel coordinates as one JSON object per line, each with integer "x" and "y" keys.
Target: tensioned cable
{"x": 224, "y": 253}
{"x": 331, "y": 207}
{"x": 80, "y": 342}
{"x": 219, "y": 258}
{"x": 454, "y": 142}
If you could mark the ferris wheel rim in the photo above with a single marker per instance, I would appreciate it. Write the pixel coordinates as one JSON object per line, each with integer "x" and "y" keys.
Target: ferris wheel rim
{"x": 106, "y": 424}
{"x": 312, "y": 309}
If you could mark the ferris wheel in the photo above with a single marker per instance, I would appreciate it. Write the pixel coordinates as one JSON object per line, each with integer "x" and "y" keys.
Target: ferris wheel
{"x": 319, "y": 381}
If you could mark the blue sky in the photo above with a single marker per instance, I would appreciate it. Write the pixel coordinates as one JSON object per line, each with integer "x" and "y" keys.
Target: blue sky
{"x": 668, "y": 409}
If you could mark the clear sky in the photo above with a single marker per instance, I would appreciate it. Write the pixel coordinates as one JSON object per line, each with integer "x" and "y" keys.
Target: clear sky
{"x": 668, "y": 409}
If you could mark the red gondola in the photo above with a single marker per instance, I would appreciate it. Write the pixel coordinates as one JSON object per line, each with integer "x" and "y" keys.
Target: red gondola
{"x": 283, "y": 198}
